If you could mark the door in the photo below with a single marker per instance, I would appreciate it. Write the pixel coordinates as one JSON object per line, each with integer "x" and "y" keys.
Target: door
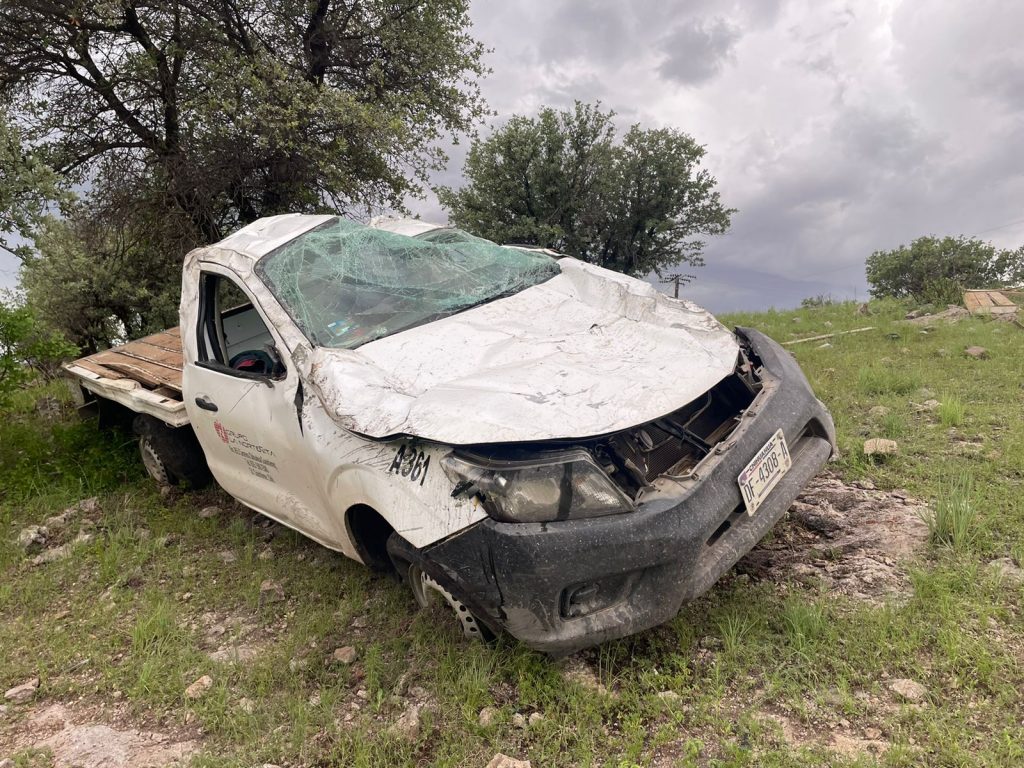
{"x": 241, "y": 400}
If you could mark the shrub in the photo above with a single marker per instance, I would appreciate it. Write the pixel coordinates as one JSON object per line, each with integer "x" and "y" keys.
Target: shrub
{"x": 26, "y": 349}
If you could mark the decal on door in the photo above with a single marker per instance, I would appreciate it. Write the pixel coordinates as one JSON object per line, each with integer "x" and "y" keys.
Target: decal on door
{"x": 258, "y": 458}
{"x": 410, "y": 463}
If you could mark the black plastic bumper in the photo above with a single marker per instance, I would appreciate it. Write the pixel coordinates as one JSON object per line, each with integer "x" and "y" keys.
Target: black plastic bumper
{"x": 562, "y": 586}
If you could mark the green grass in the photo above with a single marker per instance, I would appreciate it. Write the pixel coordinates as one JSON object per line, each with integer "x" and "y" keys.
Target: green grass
{"x": 951, "y": 411}
{"x": 129, "y": 618}
{"x": 953, "y": 521}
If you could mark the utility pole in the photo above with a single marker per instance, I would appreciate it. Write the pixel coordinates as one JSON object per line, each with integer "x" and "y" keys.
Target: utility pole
{"x": 675, "y": 278}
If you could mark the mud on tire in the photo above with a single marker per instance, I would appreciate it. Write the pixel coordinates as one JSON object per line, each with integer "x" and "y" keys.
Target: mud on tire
{"x": 171, "y": 455}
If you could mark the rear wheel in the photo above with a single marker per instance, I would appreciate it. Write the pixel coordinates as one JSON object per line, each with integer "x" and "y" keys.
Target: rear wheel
{"x": 171, "y": 455}
{"x": 154, "y": 465}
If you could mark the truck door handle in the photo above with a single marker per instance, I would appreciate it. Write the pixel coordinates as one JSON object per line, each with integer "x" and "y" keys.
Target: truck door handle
{"x": 206, "y": 404}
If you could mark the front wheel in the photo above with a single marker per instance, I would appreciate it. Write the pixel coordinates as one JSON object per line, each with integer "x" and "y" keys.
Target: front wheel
{"x": 425, "y": 590}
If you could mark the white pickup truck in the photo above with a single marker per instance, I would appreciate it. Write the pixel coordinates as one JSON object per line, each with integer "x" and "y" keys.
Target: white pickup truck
{"x": 556, "y": 450}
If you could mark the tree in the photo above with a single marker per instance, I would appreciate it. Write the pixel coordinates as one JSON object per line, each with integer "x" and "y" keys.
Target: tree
{"x": 27, "y": 185}
{"x": 561, "y": 180}
{"x": 938, "y": 270}
{"x": 102, "y": 283}
{"x": 195, "y": 117}
{"x": 25, "y": 346}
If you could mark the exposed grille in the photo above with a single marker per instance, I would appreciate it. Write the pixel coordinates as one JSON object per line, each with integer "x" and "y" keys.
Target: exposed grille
{"x": 675, "y": 443}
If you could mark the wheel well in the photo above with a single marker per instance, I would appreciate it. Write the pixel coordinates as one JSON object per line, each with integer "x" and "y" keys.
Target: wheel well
{"x": 369, "y": 532}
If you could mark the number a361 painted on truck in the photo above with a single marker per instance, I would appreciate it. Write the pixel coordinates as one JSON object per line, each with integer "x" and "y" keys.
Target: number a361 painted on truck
{"x": 557, "y": 451}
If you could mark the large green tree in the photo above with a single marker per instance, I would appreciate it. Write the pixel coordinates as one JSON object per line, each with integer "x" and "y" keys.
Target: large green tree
{"x": 939, "y": 269}
{"x": 563, "y": 180}
{"x": 185, "y": 119}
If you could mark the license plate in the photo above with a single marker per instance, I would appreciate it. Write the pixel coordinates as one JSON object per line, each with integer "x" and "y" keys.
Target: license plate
{"x": 764, "y": 471}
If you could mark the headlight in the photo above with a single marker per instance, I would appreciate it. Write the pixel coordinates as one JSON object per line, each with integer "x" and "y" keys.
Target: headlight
{"x": 564, "y": 486}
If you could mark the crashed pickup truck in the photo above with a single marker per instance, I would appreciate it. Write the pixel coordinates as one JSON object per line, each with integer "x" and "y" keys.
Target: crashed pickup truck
{"x": 554, "y": 450}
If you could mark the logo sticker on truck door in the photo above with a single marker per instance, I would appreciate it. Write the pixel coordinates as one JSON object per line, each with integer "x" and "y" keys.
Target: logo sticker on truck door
{"x": 257, "y": 457}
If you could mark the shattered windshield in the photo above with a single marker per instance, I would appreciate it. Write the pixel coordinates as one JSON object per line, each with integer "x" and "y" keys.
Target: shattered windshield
{"x": 346, "y": 284}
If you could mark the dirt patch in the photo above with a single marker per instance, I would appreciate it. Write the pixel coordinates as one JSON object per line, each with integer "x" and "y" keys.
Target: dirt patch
{"x": 77, "y": 744}
{"x": 852, "y": 538}
{"x": 229, "y": 639}
{"x": 841, "y": 741}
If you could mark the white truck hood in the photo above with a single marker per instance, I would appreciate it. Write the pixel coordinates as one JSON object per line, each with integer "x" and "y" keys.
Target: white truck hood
{"x": 588, "y": 352}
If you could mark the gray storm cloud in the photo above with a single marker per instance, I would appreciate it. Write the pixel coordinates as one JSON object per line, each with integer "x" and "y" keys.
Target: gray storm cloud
{"x": 835, "y": 128}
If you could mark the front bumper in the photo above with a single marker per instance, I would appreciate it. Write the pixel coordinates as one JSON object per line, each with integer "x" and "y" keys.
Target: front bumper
{"x": 566, "y": 585}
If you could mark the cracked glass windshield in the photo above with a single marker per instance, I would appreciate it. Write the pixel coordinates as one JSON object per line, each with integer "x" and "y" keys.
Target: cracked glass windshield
{"x": 346, "y": 284}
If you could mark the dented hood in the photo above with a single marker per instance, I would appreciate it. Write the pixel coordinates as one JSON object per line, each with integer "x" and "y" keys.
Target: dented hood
{"x": 588, "y": 352}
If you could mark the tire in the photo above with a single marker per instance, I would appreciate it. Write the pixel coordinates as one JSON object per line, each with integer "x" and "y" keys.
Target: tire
{"x": 171, "y": 455}
{"x": 426, "y": 590}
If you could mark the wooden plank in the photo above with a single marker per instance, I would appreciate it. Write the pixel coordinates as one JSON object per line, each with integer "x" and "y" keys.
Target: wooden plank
{"x": 169, "y": 339}
{"x": 143, "y": 371}
{"x": 827, "y": 336}
{"x": 145, "y": 356}
{"x": 157, "y": 354}
{"x": 100, "y": 370}
{"x": 1000, "y": 300}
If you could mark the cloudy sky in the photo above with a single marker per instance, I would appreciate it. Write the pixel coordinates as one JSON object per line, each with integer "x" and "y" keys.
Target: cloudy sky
{"x": 835, "y": 128}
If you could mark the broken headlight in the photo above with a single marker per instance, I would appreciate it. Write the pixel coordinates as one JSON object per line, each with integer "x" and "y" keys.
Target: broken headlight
{"x": 562, "y": 486}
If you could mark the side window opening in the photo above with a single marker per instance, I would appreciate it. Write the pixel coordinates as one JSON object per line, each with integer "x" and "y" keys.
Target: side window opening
{"x": 232, "y": 336}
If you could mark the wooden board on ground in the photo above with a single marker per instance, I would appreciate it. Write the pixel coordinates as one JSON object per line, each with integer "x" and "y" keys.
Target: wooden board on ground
{"x": 988, "y": 303}
{"x": 154, "y": 361}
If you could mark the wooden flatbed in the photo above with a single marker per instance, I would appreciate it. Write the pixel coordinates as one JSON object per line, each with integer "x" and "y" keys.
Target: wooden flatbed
{"x": 988, "y": 303}
{"x": 143, "y": 375}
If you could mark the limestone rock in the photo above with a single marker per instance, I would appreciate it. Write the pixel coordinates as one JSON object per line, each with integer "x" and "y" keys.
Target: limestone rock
{"x": 199, "y": 688}
{"x": 504, "y": 761}
{"x": 345, "y": 655}
{"x": 33, "y": 538}
{"x": 408, "y": 724}
{"x": 910, "y": 690}
{"x": 880, "y": 446}
{"x": 271, "y": 592}
{"x": 487, "y": 716}
{"x": 20, "y": 694}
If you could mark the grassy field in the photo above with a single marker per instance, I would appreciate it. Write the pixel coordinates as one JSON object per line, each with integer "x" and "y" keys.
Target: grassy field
{"x": 755, "y": 673}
